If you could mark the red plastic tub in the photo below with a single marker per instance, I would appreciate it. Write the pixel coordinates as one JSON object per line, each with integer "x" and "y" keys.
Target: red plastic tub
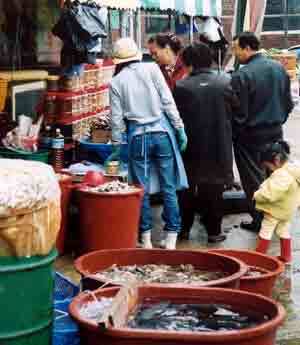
{"x": 103, "y": 259}
{"x": 65, "y": 182}
{"x": 263, "y": 334}
{"x": 109, "y": 220}
{"x": 270, "y": 267}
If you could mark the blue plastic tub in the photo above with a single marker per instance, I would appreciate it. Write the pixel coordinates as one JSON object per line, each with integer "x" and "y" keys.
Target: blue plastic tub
{"x": 65, "y": 330}
{"x": 103, "y": 150}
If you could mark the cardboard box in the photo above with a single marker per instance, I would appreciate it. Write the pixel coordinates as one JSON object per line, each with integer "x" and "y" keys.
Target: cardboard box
{"x": 101, "y": 136}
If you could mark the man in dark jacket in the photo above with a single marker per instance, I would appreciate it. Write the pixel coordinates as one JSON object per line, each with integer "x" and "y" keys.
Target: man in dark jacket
{"x": 263, "y": 88}
{"x": 204, "y": 100}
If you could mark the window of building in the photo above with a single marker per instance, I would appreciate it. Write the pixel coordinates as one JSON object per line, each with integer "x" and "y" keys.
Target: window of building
{"x": 156, "y": 22}
{"x": 276, "y": 16}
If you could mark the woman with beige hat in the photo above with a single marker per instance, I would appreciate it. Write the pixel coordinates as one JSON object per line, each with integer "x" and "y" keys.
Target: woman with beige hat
{"x": 142, "y": 105}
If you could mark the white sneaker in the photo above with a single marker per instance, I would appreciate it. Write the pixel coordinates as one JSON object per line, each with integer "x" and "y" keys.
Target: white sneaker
{"x": 146, "y": 240}
{"x": 171, "y": 240}
{"x": 162, "y": 244}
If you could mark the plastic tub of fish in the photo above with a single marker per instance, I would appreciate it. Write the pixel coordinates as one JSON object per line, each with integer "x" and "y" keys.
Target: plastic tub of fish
{"x": 171, "y": 316}
{"x": 109, "y": 216}
{"x": 157, "y": 267}
{"x": 262, "y": 273}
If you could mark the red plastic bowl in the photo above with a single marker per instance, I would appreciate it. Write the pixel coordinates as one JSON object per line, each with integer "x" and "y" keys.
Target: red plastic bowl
{"x": 263, "y": 334}
{"x": 264, "y": 283}
{"x": 100, "y": 260}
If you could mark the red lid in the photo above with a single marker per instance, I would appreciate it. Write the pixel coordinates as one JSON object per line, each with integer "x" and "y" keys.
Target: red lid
{"x": 108, "y": 62}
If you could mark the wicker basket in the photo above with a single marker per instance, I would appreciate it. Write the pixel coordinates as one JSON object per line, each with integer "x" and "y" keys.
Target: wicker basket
{"x": 108, "y": 72}
{"x": 292, "y": 74}
{"x": 288, "y": 60}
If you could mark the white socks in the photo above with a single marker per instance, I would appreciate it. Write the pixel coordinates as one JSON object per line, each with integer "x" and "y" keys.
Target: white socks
{"x": 146, "y": 240}
{"x": 171, "y": 240}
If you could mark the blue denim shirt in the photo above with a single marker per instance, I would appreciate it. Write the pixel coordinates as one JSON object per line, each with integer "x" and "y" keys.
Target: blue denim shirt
{"x": 140, "y": 93}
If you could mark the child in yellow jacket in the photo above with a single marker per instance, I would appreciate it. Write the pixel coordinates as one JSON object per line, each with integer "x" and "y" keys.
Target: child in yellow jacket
{"x": 278, "y": 198}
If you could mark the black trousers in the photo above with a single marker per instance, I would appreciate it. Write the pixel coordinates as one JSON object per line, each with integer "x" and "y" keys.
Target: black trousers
{"x": 247, "y": 158}
{"x": 205, "y": 199}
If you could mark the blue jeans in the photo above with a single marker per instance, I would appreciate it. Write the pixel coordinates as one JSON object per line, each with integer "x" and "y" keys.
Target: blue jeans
{"x": 155, "y": 150}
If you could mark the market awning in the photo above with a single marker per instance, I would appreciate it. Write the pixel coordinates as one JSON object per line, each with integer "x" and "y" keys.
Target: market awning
{"x": 190, "y": 7}
{"x": 119, "y": 4}
{"x": 128, "y": 4}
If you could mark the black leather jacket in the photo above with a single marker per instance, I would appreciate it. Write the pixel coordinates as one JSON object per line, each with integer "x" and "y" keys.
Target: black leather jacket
{"x": 263, "y": 89}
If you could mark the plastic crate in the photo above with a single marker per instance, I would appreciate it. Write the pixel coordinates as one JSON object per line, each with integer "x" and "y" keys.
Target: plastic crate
{"x": 65, "y": 330}
{"x": 64, "y": 288}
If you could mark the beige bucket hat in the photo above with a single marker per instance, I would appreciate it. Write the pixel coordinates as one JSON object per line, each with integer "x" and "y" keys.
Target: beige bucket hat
{"x": 125, "y": 50}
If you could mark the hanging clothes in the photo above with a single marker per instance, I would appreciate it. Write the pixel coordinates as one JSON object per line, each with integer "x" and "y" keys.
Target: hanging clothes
{"x": 81, "y": 27}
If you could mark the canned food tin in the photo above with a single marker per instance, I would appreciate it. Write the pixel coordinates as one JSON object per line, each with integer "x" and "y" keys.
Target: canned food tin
{"x": 113, "y": 168}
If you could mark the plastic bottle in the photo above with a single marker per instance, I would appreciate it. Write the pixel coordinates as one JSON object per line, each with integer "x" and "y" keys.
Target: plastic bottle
{"x": 58, "y": 143}
{"x": 46, "y": 138}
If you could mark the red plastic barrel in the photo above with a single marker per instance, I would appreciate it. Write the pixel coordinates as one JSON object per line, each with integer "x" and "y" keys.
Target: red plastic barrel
{"x": 109, "y": 220}
{"x": 65, "y": 182}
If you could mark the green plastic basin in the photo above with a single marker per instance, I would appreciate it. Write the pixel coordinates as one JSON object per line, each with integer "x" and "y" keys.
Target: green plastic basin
{"x": 40, "y": 156}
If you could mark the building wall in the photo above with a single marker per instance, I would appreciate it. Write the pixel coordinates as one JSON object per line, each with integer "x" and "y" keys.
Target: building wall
{"x": 269, "y": 40}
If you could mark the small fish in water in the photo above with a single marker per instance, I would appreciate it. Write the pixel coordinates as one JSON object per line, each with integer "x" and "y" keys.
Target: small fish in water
{"x": 191, "y": 317}
{"x": 154, "y": 311}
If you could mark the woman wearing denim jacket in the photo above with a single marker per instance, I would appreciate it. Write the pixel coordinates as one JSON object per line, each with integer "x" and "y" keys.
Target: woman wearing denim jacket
{"x": 142, "y": 105}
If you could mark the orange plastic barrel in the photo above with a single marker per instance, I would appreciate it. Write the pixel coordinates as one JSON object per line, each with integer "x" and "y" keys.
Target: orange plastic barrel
{"x": 109, "y": 220}
{"x": 65, "y": 182}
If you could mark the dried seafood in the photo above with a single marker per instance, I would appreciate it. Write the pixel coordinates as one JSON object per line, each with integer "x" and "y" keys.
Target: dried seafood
{"x": 102, "y": 122}
{"x": 113, "y": 187}
{"x": 164, "y": 274}
{"x": 254, "y": 272}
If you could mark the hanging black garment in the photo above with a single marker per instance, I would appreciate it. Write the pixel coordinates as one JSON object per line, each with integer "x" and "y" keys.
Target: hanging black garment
{"x": 80, "y": 26}
{"x": 88, "y": 21}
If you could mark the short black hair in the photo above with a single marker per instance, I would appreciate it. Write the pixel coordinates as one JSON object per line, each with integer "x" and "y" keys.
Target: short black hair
{"x": 279, "y": 148}
{"x": 248, "y": 39}
{"x": 197, "y": 55}
{"x": 151, "y": 40}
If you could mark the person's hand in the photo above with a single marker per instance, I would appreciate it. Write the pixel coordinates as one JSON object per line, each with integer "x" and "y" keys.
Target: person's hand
{"x": 115, "y": 155}
{"x": 181, "y": 139}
